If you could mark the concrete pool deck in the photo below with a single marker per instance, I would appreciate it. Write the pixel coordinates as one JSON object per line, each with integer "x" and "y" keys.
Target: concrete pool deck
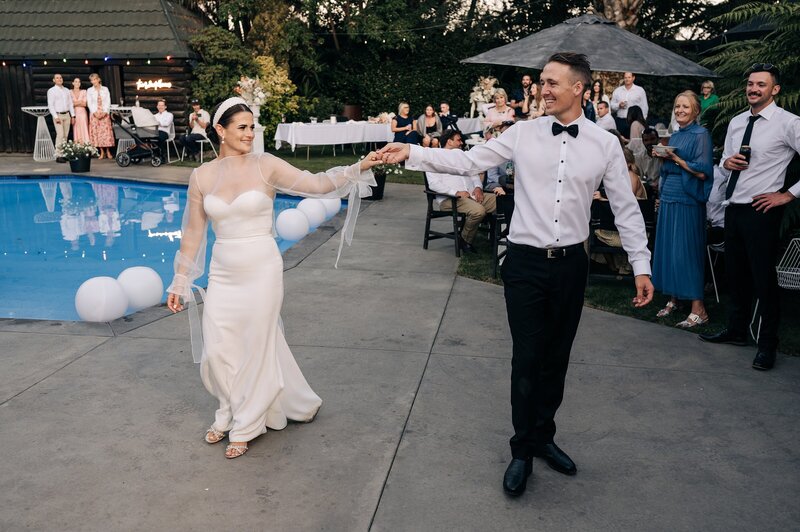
{"x": 102, "y": 424}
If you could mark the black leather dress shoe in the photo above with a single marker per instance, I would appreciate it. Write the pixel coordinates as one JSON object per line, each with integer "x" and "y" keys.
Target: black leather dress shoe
{"x": 556, "y": 458}
{"x": 765, "y": 359}
{"x": 516, "y": 477}
{"x": 466, "y": 246}
{"x": 724, "y": 337}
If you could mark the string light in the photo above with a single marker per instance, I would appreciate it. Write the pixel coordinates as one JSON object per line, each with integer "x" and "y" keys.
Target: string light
{"x": 85, "y": 61}
{"x": 24, "y": 64}
{"x": 148, "y": 61}
{"x": 169, "y": 57}
{"x": 128, "y": 62}
{"x": 106, "y": 58}
{"x": 45, "y": 62}
{"x": 4, "y": 63}
{"x": 64, "y": 60}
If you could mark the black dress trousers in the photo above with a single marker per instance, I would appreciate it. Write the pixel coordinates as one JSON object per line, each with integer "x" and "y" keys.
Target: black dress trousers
{"x": 751, "y": 252}
{"x": 544, "y": 300}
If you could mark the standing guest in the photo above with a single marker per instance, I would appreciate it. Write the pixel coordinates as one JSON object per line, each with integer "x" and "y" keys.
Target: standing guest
{"x": 756, "y": 197}
{"x": 623, "y": 98}
{"x": 598, "y": 95}
{"x": 686, "y": 179}
{"x": 544, "y": 273}
{"x": 533, "y": 106}
{"x": 636, "y": 124}
{"x": 498, "y": 114}
{"x": 403, "y": 126}
{"x": 604, "y": 118}
{"x": 646, "y": 161}
{"x": 59, "y": 102}
{"x": 198, "y": 122}
{"x": 245, "y": 362}
{"x": 709, "y": 99}
{"x": 80, "y": 131}
{"x": 429, "y": 127}
{"x": 165, "y": 121}
{"x": 588, "y": 107}
{"x": 100, "y": 131}
{"x": 449, "y": 119}
{"x": 519, "y": 96}
{"x": 468, "y": 190}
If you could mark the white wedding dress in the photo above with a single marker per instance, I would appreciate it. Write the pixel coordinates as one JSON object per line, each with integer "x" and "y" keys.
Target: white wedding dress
{"x": 245, "y": 361}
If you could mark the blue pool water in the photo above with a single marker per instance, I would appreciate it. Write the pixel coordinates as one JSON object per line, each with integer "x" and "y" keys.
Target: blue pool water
{"x": 57, "y": 232}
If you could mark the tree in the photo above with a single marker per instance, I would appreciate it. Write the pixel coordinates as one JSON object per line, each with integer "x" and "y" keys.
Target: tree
{"x": 625, "y": 13}
{"x": 223, "y": 60}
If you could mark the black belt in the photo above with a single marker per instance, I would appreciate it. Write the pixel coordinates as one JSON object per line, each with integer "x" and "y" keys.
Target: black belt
{"x": 547, "y": 253}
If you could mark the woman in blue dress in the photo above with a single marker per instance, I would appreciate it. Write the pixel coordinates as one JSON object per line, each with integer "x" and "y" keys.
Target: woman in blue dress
{"x": 686, "y": 179}
{"x": 403, "y": 126}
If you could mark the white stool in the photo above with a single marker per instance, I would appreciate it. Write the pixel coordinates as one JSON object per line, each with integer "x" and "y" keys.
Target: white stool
{"x": 202, "y": 147}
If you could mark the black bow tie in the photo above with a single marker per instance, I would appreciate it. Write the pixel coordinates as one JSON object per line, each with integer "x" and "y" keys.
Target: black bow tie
{"x": 572, "y": 130}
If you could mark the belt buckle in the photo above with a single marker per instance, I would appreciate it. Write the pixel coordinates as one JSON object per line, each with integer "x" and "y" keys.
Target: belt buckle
{"x": 551, "y": 253}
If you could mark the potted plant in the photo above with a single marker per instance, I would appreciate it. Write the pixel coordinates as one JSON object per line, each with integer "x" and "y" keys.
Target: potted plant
{"x": 380, "y": 172}
{"x": 79, "y": 155}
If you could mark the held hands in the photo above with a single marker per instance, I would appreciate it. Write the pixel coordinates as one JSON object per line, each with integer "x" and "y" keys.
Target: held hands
{"x": 644, "y": 291}
{"x": 499, "y": 191}
{"x": 372, "y": 159}
{"x": 765, "y": 202}
{"x": 174, "y": 303}
{"x": 737, "y": 162}
{"x": 394, "y": 152}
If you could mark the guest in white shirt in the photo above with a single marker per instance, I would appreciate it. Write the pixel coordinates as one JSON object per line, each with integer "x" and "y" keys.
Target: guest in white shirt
{"x": 198, "y": 121}
{"x": 468, "y": 190}
{"x": 623, "y": 98}
{"x": 165, "y": 124}
{"x": 604, "y": 118}
{"x": 755, "y": 197}
{"x": 59, "y": 102}
{"x": 559, "y": 161}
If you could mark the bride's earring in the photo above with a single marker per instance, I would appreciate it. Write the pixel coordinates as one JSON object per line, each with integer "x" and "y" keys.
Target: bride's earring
{"x": 222, "y": 141}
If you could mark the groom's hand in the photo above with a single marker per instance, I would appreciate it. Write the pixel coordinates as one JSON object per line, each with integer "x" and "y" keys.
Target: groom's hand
{"x": 395, "y": 152}
{"x": 644, "y": 291}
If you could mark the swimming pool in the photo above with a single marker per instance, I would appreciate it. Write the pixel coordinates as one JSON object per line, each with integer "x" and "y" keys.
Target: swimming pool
{"x": 57, "y": 232}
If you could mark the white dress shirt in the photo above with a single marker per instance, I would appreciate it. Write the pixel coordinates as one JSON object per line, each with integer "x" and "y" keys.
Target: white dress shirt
{"x": 633, "y": 96}
{"x": 164, "y": 121}
{"x": 59, "y": 100}
{"x": 450, "y": 184}
{"x": 774, "y": 141}
{"x": 91, "y": 99}
{"x": 555, "y": 178}
{"x": 606, "y": 122}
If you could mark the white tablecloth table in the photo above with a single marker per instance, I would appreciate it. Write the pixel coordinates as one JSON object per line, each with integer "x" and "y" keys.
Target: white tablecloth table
{"x": 43, "y": 148}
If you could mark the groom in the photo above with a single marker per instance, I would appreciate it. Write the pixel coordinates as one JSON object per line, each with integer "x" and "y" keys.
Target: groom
{"x": 560, "y": 160}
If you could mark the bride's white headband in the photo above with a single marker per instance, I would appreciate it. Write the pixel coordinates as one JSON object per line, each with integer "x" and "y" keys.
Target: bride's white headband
{"x": 224, "y": 106}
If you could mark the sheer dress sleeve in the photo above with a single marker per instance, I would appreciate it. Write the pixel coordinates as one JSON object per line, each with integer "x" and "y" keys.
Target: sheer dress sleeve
{"x": 190, "y": 261}
{"x": 334, "y": 183}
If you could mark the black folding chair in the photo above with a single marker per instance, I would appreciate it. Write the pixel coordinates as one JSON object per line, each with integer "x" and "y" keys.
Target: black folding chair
{"x": 457, "y": 218}
{"x": 603, "y": 218}
{"x": 499, "y": 234}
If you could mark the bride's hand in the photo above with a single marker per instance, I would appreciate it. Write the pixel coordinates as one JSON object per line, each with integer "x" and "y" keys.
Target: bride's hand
{"x": 370, "y": 160}
{"x": 174, "y": 303}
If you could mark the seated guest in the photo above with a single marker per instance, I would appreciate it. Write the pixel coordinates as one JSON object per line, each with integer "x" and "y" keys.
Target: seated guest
{"x": 648, "y": 163}
{"x": 604, "y": 118}
{"x": 588, "y": 106}
{"x": 198, "y": 122}
{"x": 533, "y": 106}
{"x": 470, "y": 197}
{"x": 519, "y": 96}
{"x": 429, "y": 127}
{"x": 165, "y": 120}
{"x": 449, "y": 120}
{"x": 497, "y": 114}
{"x": 496, "y": 177}
{"x": 403, "y": 126}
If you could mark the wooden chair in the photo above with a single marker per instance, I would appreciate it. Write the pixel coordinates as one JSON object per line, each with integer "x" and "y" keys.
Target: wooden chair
{"x": 457, "y": 218}
{"x": 603, "y": 218}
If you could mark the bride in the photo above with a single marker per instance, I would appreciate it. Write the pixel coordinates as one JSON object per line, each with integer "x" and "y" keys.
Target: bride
{"x": 245, "y": 362}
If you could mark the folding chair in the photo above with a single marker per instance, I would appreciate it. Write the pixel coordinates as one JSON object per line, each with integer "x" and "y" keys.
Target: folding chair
{"x": 457, "y": 218}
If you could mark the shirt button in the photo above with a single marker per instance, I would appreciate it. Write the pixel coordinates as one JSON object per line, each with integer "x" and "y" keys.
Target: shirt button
{"x": 556, "y": 221}
{"x": 564, "y": 142}
{"x": 559, "y": 181}
{"x": 562, "y": 161}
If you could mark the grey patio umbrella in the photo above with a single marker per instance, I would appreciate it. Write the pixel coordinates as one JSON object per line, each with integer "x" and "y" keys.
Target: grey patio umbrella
{"x": 609, "y": 48}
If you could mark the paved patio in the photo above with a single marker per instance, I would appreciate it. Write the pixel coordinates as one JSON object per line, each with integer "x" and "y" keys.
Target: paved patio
{"x": 102, "y": 424}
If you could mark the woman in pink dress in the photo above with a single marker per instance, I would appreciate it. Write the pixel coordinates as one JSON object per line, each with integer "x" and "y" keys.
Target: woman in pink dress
{"x": 98, "y": 99}
{"x": 498, "y": 114}
{"x": 80, "y": 131}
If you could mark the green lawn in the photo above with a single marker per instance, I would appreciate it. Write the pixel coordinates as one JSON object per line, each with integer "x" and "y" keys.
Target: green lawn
{"x": 615, "y": 294}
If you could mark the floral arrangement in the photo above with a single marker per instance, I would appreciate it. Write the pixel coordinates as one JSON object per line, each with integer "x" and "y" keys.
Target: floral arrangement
{"x": 72, "y": 151}
{"x": 482, "y": 92}
{"x": 383, "y": 118}
{"x": 252, "y": 90}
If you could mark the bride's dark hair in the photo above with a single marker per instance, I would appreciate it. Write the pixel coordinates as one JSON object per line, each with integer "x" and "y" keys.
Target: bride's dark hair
{"x": 225, "y": 120}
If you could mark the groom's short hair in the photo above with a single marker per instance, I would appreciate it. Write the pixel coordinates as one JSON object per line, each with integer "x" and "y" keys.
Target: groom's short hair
{"x": 578, "y": 63}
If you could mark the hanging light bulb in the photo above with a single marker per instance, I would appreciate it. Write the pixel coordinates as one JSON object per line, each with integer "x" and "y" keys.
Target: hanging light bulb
{"x": 64, "y": 60}
{"x": 106, "y": 58}
{"x": 24, "y": 64}
{"x": 169, "y": 57}
{"x": 128, "y": 62}
{"x": 148, "y": 61}
{"x": 45, "y": 62}
{"x": 85, "y": 61}
{"x": 4, "y": 63}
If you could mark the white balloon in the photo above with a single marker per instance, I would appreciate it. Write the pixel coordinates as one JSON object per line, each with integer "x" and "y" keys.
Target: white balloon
{"x": 332, "y": 206}
{"x": 142, "y": 285}
{"x": 101, "y": 299}
{"x": 291, "y": 224}
{"x": 314, "y": 210}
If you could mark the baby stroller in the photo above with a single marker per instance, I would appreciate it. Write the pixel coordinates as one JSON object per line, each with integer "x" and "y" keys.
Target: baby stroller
{"x": 144, "y": 132}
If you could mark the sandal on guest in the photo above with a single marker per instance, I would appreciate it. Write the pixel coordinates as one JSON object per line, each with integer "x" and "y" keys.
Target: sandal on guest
{"x": 667, "y": 310}
{"x": 692, "y": 321}
{"x": 235, "y": 450}
{"x": 213, "y": 435}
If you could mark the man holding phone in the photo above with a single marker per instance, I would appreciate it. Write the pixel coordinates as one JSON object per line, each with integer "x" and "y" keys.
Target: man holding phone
{"x": 759, "y": 145}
